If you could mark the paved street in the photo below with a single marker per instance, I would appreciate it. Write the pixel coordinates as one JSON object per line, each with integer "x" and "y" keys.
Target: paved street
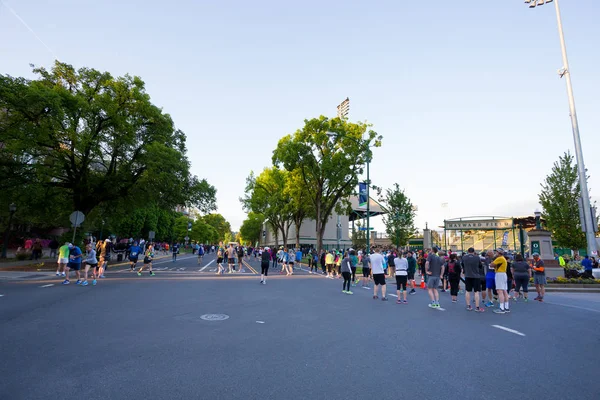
{"x": 298, "y": 337}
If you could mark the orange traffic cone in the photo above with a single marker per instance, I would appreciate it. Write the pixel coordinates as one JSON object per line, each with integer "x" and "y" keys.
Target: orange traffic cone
{"x": 422, "y": 281}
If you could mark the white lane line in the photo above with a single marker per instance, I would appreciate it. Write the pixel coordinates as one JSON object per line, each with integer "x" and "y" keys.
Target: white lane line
{"x": 577, "y": 307}
{"x": 393, "y": 295}
{"x": 508, "y": 330}
{"x": 171, "y": 261}
{"x": 440, "y": 309}
{"x": 260, "y": 322}
{"x": 1, "y": 295}
{"x": 51, "y": 284}
{"x": 203, "y": 268}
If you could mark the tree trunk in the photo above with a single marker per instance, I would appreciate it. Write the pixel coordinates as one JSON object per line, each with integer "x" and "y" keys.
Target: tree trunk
{"x": 284, "y": 236}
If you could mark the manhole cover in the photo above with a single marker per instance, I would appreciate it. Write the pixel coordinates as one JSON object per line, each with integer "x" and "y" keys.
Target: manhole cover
{"x": 214, "y": 317}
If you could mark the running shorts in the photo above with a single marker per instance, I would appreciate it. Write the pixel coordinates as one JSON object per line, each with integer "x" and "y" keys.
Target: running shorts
{"x": 539, "y": 279}
{"x": 490, "y": 283}
{"x": 401, "y": 281}
{"x": 74, "y": 266}
{"x": 231, "y": 261}
{"x": 473, "y": 285}
{"x": 133, "y": 259}
{"x": 219, "y": 260}
{"x": 501, "y": 281}
{"x": 411, "y": 276}
{"x": 63, "y": 260}
{"x": 366, "y": 272}
{"x": 290, "y": 263}
{"x": 433, "y": 282}
{"x": 379, "y": 279}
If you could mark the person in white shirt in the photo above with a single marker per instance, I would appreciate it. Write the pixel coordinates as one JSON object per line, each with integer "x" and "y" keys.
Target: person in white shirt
{"x": 378, "y": 274}
{"x": 401, "y": 265}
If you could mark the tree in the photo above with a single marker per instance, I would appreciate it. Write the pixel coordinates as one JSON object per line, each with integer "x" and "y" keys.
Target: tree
{"x": 251, "y": 229}
{"x": 560, "y": 209}
{"x": 329, "y": 154}
{"x": 299, "y": 206}
{"x": 359, "y": 237}
{"x": 82, "y": 138}
{"x": 267, "y": 194}
{"x": 219, "y": 223}
{"x": 203, "y": 232}
{"x": 399, "y": 217}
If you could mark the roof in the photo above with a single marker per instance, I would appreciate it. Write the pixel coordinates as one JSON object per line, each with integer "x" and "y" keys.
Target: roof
{"x": 361, "y": 212}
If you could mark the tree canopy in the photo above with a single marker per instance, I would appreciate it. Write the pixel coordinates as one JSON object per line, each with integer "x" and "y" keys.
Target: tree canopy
{"x": 251, "y": 229}
{"x": 399, "y": 219}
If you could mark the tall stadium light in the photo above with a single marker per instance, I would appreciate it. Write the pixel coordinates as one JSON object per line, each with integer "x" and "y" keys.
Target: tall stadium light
{"x": 564, "y": 72}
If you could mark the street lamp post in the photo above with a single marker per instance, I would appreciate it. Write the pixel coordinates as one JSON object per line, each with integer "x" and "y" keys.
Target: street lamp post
{"x": 12, "y": 208}
{"x": 566, "y": 73}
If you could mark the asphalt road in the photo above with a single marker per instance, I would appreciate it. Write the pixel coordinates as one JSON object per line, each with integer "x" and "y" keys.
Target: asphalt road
{"x": 297, "y": 337}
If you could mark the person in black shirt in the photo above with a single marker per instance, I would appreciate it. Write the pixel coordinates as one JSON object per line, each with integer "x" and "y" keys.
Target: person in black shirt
{"x": 264, "y": 265}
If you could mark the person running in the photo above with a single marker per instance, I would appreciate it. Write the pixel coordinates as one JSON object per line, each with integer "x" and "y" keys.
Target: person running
{"x": 134, "y": 253}
{"x": 366, "y": 270}
{"x": 148, "y": 261}
{"x": 378, "y": 274}
{"x": 501, "y": 281}
{"x": 63, "y": 259}
{"x": 220, "y": 268}
{"x": 539, "y": 277}
{"x": 200, "y": 253}
{"x": 175, "y": 251}
{"x": 264, "y": 266}
{"x": 521, "y": 271}
{"x": 471, "y": 271}
{"x": 401, "y": 269}
{"x": 104, "y": 256}
{"x": 434, "y": 268}
{"x": 346, "y": 269}
{"x": 453, "y": 269}
{"x": 329, "y": 260}
{"x": 240, "y": 257}
{"x": 90, "y": 262}
{"x": 412, "y": 269}
{"x": 74, "y": 264}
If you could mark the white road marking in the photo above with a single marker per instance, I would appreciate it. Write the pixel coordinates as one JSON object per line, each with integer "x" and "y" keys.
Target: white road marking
{"x": 440, "y": 309}
{"x": 565, "y": 305}
{"x": 393, "y": 295}
{"x": 52, "y": 284}
{"x": 1, "y": 295}
{"x": 508, "y": 330}
{"x": 203, "y": 268}
{"x": 260, "y": 322}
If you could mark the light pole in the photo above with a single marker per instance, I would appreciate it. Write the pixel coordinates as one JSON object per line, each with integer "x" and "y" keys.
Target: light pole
{"x": 12, "y": 208}
{"x": 566, "y": 73}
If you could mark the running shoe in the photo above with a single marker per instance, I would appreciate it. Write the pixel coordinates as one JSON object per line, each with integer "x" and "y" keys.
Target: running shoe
{"x": 454, "y": 301}
{"x": 57, "y": 273}
{"x": 541, "y": 299}
{"x": 489, "y": 304}
{"x": 375, "y": 297}
{"x": 310, "y": 272}
{"x": 139, "y": 273}
{"x": 78, "y": 282}
{"x": 344, "y": 291}
{"x": 356, "y": 281}
{"x": 66, "y": 282}
{"x": 349, "y": 292}
{"x": 526, "y": 299}
{"x": 62, "y": 274}
{"x": 84, "y": 283}
{"x": 443, "y": 290}
{"x": 152, "y": 273}
{"x": 479, "y": 309}
{"x": 261, "y": 282}
{"x": 384, "y": 299}
{"x": 94, "y": 282}
{"x": 405, "y": 301}
{"x": 499, "y": 311}
{"x": 469, "y": 308}
{"x": 412, "y": 291}
{"x": 537, "y": 298}
{"x": 398, "y": 301}
{"x": 507, "y": 310}
{"x": 102, "y": 276}
{"x": 431, "y": 305}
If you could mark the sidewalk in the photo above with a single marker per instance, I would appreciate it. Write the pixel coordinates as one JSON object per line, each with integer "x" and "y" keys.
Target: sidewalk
{"x": 49, "y": 264}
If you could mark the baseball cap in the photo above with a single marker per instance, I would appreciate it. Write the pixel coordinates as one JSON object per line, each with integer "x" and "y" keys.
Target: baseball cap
{"x": 500, "y": 250}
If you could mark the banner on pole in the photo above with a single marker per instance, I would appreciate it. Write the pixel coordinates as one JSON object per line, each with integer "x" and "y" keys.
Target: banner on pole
{"x": 362, "y": 195}
{"x": 505, "y": 239}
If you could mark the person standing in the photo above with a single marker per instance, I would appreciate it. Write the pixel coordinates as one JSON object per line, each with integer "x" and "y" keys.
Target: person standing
{"x": 63, "y": 259}
{"x": 472, "y": 273}
{"x": 490, "y": 278}
{"x": 390, "y": 264}
{"x": 264, "y": 265}
{"x": 90, "y": 262}
{"x": 412, "y": 269}
{"x": 501, "y": 281}
{"x": 434, "y": 268}
{"x": 175, "y": 251}
{"x": 240, "y": 257}
{"x": 230, "y": 259}
{"x": 354, "y": 263}
{"x": 586, "y": 263}
{"x": 329, "y": 263}
{"x": 453, "y": 269}
{"x": 290, "y": 262}
{"x": 401, "y": 267}
{"x": 521, "y": 271}
{"x": 378, "y": 274}
{"x": 74, "y": 264}
{"x": 346, "y": 268}
{"x": 220, "y": 268}
{"x": 366, "y": 270}
{"x": 539, "y": 277}
{"x": 200, "y": 251}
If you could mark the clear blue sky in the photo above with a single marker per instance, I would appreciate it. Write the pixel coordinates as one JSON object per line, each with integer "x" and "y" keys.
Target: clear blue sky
{"x": 465, "y": 93}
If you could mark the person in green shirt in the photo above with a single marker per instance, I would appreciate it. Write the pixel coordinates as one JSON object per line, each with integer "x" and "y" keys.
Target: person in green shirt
{"x": 63, "y": 259}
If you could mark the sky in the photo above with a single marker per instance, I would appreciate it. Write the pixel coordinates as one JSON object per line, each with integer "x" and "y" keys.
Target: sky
{"x": 465, "y": 93}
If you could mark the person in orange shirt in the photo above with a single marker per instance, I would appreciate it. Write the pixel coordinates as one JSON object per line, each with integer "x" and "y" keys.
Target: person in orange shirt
{"x": 539, "y": 276}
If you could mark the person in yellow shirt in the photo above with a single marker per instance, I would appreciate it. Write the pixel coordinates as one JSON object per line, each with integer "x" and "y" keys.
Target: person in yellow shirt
{"x": 329, "y": 263}
{"x": 500, "y": 266}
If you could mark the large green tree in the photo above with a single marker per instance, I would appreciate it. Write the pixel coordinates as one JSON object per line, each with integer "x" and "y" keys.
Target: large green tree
{"x": 219, "y": 223}
{"x": 329, "y": 154}
{"x": 267, "y": 194}
{"x": 251, "y": 229}
{"x": 560, "y": 191}
{"x": 299, "y": 206}
{"x": 399, "y": 217}
{"x": 77, "y": 139}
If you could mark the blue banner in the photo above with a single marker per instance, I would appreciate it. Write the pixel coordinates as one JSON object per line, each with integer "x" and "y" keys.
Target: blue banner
{"x": 362, "y": 194}
{"x": 505, "y": 239}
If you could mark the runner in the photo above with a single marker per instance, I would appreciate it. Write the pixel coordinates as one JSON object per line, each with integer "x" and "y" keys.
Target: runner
{"x": 104, "y": 257}
{"x": 264, "y": 265}
{"x": 315, "y": 262}
{"x": 366, "y": 270}
{"x": 346, "y": 269}
{"x": 240, "y": 257}
{"x": 453, "y": 275}
{"x": 471, "y": 271}
{"x": 401, "y": 267}
{"x": 230, "y": 252}
{"x": 134, "y": 253}
{"x": 434, "y": 268}
{"x": 412, "y": 269}
{"x": 74, "y": 263}
{"x": 175, "y": 251}
{"x": 63, "y": 259}
{"x": 148, "y": 260}
{"x": 378, "y": 274}
{"x": 220, "y": 268}
{"x": 200, "y": 254}
{"x": 539, "y": 277}
{"x": 521, "y": 273}
{"x": 501, "y": 281}
{"x": 90, "y": 262}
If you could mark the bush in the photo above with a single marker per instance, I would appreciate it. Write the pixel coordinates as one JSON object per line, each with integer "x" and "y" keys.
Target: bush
{"x": 22, "y": 256}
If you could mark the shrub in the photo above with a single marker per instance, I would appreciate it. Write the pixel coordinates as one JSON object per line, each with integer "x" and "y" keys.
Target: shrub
{"x": 22, "y": 256}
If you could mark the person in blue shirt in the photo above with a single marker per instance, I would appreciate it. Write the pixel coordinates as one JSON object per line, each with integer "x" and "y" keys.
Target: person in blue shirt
{"x": 134, "y": 253}
{"x": 587, "y": 265}
{"x": 200, "y": 252}
{"x": 298, "y": 255}
{"x": 74, "y": 264}
{"x": 175, "y": 249}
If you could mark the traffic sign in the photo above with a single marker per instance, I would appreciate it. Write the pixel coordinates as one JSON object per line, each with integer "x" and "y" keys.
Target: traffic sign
{"x": 77, "y": 218}
{"x": 187, "y": 238}
{"x": 364, "y": 229}
{"x": 151, "y": 234}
